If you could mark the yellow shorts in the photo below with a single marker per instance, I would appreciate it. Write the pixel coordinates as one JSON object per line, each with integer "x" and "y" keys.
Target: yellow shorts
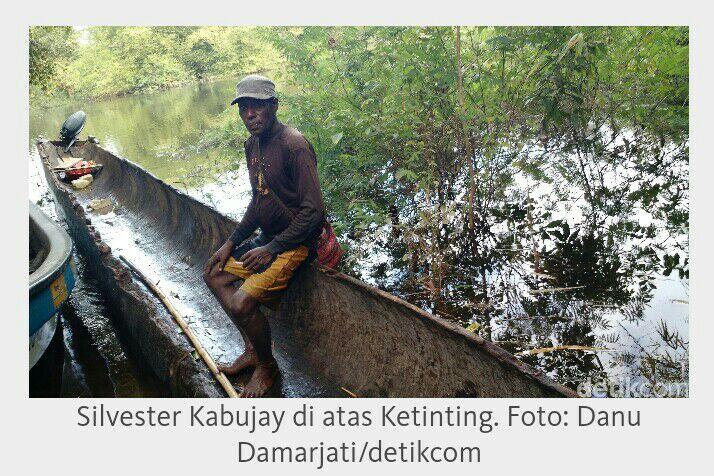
{"x": 268, "y": 286}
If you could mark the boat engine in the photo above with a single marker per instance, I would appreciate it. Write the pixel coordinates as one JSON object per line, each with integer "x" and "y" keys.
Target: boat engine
{"x": 71, "y": 128}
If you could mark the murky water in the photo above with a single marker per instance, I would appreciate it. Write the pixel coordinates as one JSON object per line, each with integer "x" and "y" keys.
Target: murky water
{"x": 99, "y": 359}
{"x": 159, "y": 131}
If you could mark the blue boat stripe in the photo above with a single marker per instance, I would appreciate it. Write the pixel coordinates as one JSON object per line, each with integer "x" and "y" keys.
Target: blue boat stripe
{"x": 42, "y": 307}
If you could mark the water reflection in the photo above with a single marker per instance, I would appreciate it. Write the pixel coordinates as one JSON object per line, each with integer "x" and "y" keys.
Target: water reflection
{"x": 154, "y": 130}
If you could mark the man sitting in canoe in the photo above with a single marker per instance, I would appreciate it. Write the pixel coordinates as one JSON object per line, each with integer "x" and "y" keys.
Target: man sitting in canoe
{"x": 287, "y": 206}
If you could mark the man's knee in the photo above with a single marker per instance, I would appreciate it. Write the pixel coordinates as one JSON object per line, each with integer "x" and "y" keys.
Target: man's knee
{"x": 242, "y": 306}
{"x": 217, "y": 280}
{"x": 209, "y": 279}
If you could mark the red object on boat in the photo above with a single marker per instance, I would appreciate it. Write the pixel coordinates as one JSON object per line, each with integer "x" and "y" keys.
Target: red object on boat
{"x": 82, "y": 168}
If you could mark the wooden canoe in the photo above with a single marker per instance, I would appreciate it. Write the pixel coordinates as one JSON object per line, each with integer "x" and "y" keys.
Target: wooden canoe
{"x": 333, "y": 334}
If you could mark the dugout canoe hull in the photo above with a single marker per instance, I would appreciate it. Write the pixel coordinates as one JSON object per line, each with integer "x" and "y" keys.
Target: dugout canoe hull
{"x": 331, "y": 332}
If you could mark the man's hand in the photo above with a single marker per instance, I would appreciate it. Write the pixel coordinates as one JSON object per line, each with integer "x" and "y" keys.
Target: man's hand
{"x": 255, "y": 258}
{"x": 219, "y": 257}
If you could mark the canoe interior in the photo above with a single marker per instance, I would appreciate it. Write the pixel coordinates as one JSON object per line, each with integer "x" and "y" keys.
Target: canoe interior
{"x": 331, "y": 331}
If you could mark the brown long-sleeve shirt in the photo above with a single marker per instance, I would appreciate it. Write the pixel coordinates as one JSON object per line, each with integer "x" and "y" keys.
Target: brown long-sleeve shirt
{"x": 290, "y": 167}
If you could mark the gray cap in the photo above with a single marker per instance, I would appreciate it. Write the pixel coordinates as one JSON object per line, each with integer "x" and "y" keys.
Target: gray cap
{"x": 254, "y": 86}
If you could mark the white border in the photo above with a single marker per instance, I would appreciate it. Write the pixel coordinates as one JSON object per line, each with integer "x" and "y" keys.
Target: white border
{"x": 41, "y": 434}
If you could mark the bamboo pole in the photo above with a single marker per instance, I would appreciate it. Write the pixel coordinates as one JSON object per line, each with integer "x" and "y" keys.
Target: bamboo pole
{"x": 220, "y": 376}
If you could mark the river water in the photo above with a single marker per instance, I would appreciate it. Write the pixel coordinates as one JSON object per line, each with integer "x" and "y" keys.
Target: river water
{"x": 163, "y": 132}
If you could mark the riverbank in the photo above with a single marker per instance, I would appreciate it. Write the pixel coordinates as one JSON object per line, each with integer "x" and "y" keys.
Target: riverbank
{"x": 104, "y": 62}
{"x": 41, "y": 101}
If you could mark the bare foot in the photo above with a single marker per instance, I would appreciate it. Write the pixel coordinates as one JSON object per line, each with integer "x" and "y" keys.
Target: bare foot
{"x": 247, "y": 359}
{"x": 263, "y": 378}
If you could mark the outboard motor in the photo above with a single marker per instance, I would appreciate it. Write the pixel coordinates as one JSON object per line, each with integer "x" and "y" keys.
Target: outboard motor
{"x": 71, "y": 128}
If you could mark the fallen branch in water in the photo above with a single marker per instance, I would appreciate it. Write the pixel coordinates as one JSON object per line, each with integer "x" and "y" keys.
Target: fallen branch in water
{"x": 544, "y": 350}
{"x": 353, "y": 395}
{"x": 556, "y": 317}
{"x": 554, "y": 290}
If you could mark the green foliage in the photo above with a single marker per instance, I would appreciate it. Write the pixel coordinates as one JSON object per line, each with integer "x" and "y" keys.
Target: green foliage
{"x": 115, "y": 61}
{"x": 570, "y": 106}
{"x": 50, "y": 51}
